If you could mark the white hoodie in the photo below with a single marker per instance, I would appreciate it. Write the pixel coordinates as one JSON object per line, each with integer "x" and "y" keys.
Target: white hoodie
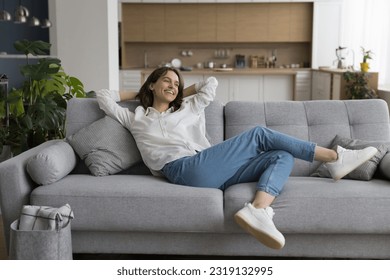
{"x": 167, "y": 136}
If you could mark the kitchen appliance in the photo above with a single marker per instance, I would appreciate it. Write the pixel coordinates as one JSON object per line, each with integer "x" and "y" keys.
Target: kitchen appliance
{"x": 209, "y": 64}
{"x": 341, "y": 54}
{"x": 176, "y": 63}
{"x": 240, "y": 61}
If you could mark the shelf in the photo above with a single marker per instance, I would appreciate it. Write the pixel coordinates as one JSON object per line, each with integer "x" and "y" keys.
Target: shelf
{"x": 21, "y": 56}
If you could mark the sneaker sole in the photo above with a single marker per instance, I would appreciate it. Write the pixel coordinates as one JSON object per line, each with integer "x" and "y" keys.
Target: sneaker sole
{"x": 261, "y": 236}
{"x": 367, "y": 158}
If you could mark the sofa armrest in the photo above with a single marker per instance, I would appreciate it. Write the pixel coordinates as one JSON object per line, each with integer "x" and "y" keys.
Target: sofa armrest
{"x": 16, "y": 185}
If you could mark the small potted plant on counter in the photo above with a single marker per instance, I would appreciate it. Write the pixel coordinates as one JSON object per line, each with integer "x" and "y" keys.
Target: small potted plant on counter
{"x": 364, "y": 66}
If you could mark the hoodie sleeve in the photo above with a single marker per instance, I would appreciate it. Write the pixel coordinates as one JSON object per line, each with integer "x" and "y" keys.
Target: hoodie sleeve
{"x": 206, "y": 92}
{"x": 107, "y": 100}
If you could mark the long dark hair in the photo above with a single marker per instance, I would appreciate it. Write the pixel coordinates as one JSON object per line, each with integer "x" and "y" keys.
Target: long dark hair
{"x": 145, "y": 94}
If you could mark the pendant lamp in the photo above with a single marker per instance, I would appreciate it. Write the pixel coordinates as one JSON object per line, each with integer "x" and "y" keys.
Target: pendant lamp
{"x": 21, "y": 13}
{"x": 4, "y": 15}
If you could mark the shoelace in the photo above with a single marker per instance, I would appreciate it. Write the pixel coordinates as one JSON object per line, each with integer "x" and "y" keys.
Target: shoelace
{"x": 270, "y": 212}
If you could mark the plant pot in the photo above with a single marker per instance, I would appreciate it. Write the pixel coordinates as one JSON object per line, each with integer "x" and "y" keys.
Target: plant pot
{"x": 364, "y": 66}
{"x": 5, "y": 153}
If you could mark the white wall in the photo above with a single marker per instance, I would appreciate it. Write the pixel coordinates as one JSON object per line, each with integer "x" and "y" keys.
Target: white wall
{"x": 326, "y": 32}
{"x": 85, "y": 37}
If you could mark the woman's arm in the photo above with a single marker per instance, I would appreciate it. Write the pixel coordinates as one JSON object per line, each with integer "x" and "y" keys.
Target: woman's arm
{"x": 127, "y": 95}
{"x": 108, "y": 103}
{"x": 194, "y": 89}
{"x": 205, "y": 93}
{"x": 191, "y": 90}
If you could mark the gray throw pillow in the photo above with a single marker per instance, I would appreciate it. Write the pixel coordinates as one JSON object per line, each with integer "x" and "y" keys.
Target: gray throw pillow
{"x": 384, "y": 166}
{"x": 364, "y": 172}
{"x": 105, "y": 146}
{"x": 52, "y": 163}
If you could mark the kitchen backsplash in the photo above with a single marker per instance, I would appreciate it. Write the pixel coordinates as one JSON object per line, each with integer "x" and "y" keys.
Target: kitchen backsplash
{"x": 195, "y": 55}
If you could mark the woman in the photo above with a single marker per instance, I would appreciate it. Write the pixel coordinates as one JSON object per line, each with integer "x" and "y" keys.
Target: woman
{"x": 170, "y": 132}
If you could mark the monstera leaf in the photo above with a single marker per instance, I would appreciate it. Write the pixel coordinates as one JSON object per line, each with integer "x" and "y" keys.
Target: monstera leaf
{"x": 43, "y": 70}
{"x": 32, "y": 47}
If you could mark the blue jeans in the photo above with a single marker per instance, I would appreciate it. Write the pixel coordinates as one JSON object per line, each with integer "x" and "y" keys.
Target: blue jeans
{"x": 259, "y": 155}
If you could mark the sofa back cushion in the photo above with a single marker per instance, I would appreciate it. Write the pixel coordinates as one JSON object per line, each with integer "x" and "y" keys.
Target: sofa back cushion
{"x": 81, "y": 112}
{"x": 317, "y": 121}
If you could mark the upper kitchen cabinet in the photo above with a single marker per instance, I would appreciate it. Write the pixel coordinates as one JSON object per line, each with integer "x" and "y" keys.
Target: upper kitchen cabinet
{"x": 251, "y": 23}
{"x": 300, "y": 15}
{"x": 154, "y": 23}
{"x": 181, "y": 23}
{"x": 207, "y": 23}
{"x": 133, "y": 21}
{"x": 290, "y": 22}
{"x": 226, "y": 22}
{"x": 143, "y": 23}
{"x": 279, "y": 22}
{"x": 222, "y": 22}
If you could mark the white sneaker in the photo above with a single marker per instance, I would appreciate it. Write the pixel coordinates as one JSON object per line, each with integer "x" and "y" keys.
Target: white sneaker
{"x": 258, "y": 222}
{"x": 349, "y": 160}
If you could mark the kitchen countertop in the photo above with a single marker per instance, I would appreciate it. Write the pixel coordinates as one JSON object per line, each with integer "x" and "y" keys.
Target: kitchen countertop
{"x": 331, "y": 70}
{"x": 233, "y": 71}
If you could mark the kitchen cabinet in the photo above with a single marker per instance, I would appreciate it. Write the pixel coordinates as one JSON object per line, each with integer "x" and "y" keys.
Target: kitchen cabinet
{"x": 154, "y": 23}
{"x": 279, "y": 22}
{"x": 278, "y": 87}
{"x": 226, "y": 21}
{"x": 224, "y": 93}
{"x": 303, "y": 85}
{"x": 133, "y": 22}
{"x": 242, "y": 87}
{"x": 339, "y": 83}
{"x": 181, "y": 23}
{"x": 247, "y": 88}
{"x": 301, "y": 14}
{"x": 239, "y": 88}
{"x": 256, "y": 88}
{"x": 207, "y": 23}
{"x": 251, "y": 23}
{"x": 222, "y": 22}
{"x": 330, "y": 84}
{"x": 130, "y": 80}
{"x": 192, "y": 79}
{"x": 321, "y": 85}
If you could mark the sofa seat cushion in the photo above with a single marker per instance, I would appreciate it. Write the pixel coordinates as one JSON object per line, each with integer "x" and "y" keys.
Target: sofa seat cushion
{"x": 321, "y": 206}
{"x": 134, "y": 203}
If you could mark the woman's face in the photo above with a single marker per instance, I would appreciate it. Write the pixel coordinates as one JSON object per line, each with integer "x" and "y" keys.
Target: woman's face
{"x": 165, "y": 89}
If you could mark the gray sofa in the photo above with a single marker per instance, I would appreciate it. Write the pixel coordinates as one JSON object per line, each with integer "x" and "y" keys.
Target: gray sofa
{"x": 142, "y": 214}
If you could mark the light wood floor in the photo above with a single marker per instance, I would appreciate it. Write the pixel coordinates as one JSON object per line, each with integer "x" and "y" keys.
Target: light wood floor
{"x": 3, "y": 251}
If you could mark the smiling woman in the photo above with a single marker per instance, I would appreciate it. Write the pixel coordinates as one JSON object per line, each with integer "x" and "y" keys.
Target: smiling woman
{"x": 163, "y": 89}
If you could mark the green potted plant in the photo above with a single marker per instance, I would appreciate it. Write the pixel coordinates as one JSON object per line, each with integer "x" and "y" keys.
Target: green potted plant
{"x": 357, "y": 86}
{"x": 364, "y": 66}
{"x": 37, "y": 109}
